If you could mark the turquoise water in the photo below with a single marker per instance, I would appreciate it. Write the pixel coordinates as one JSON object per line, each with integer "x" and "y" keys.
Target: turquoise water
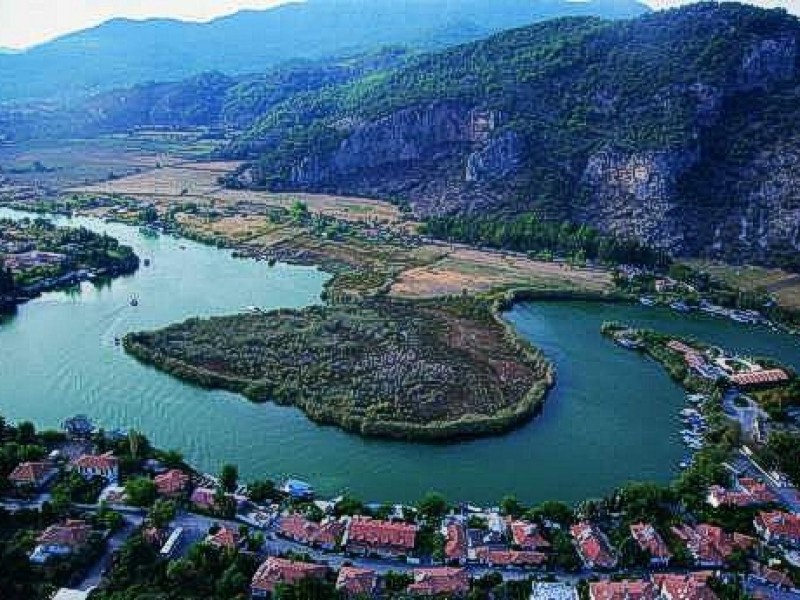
{"x": 611, "y": 417}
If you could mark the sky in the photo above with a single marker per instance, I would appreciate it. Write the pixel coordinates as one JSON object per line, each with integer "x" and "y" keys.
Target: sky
{"x": 24, "y": 23}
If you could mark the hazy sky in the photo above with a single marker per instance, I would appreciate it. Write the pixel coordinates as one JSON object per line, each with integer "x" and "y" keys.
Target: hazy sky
{"x": 27, "y": 22}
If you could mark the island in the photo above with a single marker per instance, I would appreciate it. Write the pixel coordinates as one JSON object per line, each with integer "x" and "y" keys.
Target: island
{"x": 37, "y": 256}
{"x": 425, "y": 370}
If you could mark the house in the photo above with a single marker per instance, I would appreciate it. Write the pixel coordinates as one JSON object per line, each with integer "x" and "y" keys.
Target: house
{"x": 455, "y": 548}
{"x": 98, "y": 465}
{"x": 61, "y": 540}
{"x": 510, "y": 558}
{"x": 777, "y": 527}
{"x": 593, "y": 546}
{"x": 274, "y": 571}
{"x": 323, "y": 535}
{"x": 384, "y": 538}
{"x": 33, "y": 474}
{"x": 32, "y": 259}
{"x": 559, "y": 590}
{"x": 440, "y": 581}
{"x": 651, "y": 542}
{"x": 748, "y": 492}
{"x": 622, "y": 590}
{"x": 172, "y": 483}
{"x": 762, "y": 377}
{"x": 710, "y": 545}
{"x": 357, "y": 583}
{"x": 224, "y": 539}
{"x": 689, "y": 586}
{"x": 204, "y": 498}
{"x": 70, "y": 594}
{"x": 528, "y": 536}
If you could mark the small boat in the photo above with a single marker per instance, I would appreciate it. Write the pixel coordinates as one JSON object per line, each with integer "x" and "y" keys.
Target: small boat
{"x": 253, "y": 309}
{"x": 134, "y": 301}
{"x": 628, "y": 343}
{"x": 680, "y": 306}
{"x": 696, "y": 398}
{"x": 688, "y": 412}
{"x": 146, "y": 262}
{"x": 648, "y": 301}
{"x": 117, "y": 341}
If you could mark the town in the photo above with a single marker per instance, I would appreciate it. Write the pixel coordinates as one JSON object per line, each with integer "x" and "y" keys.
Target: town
{"x": 98, "y": 511}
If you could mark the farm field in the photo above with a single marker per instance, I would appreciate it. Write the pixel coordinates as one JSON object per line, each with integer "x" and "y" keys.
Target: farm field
{"x": 783, "y": 285}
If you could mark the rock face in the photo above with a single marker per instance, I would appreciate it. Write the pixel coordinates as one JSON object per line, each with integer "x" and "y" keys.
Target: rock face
{"x": 635, "y": 195}
{"x": 769, "y": 61}
{"x": 501, "y": 157}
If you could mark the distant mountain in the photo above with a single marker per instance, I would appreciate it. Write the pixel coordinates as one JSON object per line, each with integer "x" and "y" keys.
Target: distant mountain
{"x": 122, "y": 53}
{"x": 678, "y": 128}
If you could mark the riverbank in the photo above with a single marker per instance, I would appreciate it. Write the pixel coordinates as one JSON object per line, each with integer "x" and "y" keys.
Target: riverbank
{"x": 385, "y": 368}
{"x": 38, "y": 257}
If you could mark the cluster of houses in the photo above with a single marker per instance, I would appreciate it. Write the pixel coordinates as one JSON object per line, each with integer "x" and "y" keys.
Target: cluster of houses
{"x": 741, "y": 373}
{"x": 356, "y": 582}
{"x": 685, "y": 586}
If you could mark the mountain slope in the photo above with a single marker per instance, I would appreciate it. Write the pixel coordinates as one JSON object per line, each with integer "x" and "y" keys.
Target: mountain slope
{"x": 681, "y": 129}
{"x": 121, "y": 53}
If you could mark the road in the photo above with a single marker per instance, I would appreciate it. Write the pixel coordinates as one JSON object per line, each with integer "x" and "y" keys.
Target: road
{"x": 115, "y": 542}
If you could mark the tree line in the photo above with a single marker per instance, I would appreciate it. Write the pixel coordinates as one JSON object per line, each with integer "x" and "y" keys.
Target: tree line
{"x": 544, "y": 239}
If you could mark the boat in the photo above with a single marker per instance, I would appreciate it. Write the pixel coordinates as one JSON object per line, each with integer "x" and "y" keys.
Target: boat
{"x": 648, "y": 301}
{"x": 134, "y": 301}
{"x": 149, "y": 231}
{"x": 741, "y": 317}
{"x": 687, "y": 412}
{"x": 297, "y": 489}
{"x": 117, "y": 341}
{"x": 696, "y": 398}
{"x": 680, "y": 306}
{"x": 253, "y": 309}
{"x": 628, "y": 343}
{"x": 146, "y": 262}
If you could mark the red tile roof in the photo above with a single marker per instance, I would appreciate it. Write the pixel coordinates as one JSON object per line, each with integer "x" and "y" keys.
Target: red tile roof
{"x": 442, "y": 580}
{"x": 622, "y": 590}
{"x": 300, "y": 529}
{"x": 691, "y": 586}
{"x": 680, "y": 347}
{"x": 760, "y": 377}
{"x": 779, "y": 524}
{"x": 751, "y": 492}
{"x": 225, "y": 538}
{"x": 510, "y": 558}
{"x": 528, "y": 536}
{"x": 650, "y": 540}
{"x": 456, "y": 546}
{"x": 33, "y": 473}
{"x": 357, "y": 582}
{"x": 97, "y": 461}
{"x": 276, "y": 570}
{"x": 593, "y": 546}
{"x": 381, "y": 534}
{"x": 71, "y": 534}
{"x": 172, "y": 482}
{"x": 710, "y": 544}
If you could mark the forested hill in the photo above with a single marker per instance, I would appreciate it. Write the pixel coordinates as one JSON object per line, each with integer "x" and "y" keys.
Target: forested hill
{"x": 123, "y": 53}
{"x": 680, "y": 128}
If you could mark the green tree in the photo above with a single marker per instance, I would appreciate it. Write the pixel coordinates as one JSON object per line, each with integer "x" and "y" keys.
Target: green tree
{"x": 511, "y": 507}
{"x": 229, "y": 478}
{"x": 162, "y": 513}
{"x": 141, "y": 491}
{"x": 432, "y": 506}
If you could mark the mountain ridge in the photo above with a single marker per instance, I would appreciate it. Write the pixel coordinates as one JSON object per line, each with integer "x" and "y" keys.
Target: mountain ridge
{"x": 123, "y": 52}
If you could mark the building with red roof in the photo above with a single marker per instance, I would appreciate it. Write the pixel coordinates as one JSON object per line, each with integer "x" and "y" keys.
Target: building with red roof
{"x": 651, "y": 542}
{"x": 274, "y": 571}
{"x": 440, "y": 581}
{"x": 224, "y": 539}
{"x": 455, "y": 548}
{"x": 711, "y": 546}
{"x": 383, "y": 538}
{"x": 748, "y": 492}
{"x": 528, "y": 536}
{"x": 98, "y": 465}
{"x": 593, "y": 546}
{"x": 778, "y": 527}
{"x": 61, "y": 540}
{"x": 172, "y": 483}
{"x": 622, "y": 590}
{"x": 357, "y": 583}
{"x": 325, "y": 535}
{"x": 33, "y": 474}
{"x": 689, "y": 586}
{"x": 763, "y": 377}
{"x": 510, "y": 558}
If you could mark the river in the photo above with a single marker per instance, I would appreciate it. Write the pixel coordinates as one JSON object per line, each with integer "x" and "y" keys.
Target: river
{"x": 611, "y": 417}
